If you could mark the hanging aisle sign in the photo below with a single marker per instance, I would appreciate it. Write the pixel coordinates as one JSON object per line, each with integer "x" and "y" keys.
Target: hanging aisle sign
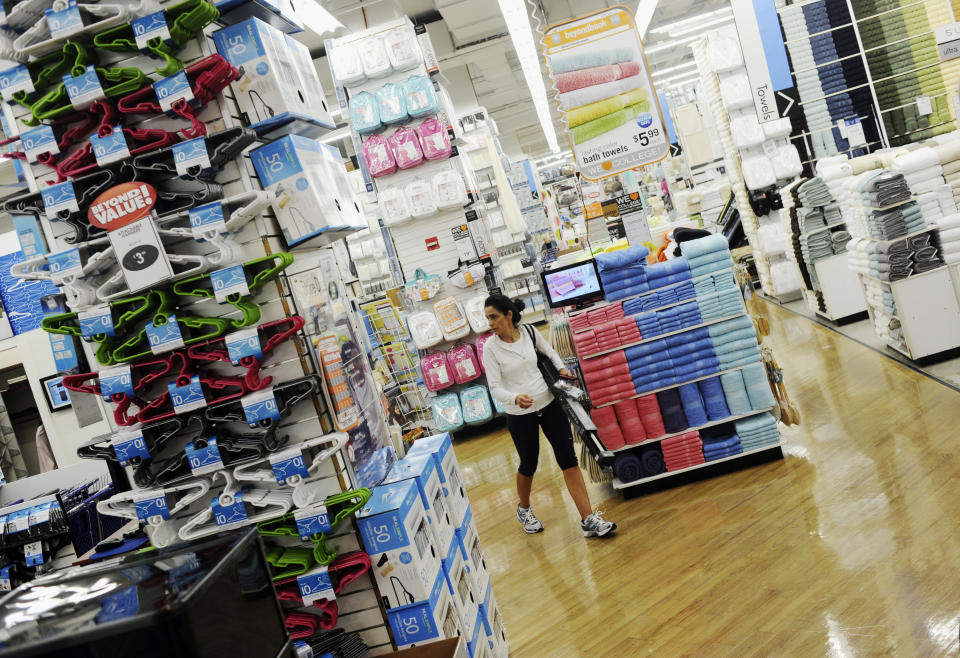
{"x": 602, "y": 84}
{"x": 764, "y": 55}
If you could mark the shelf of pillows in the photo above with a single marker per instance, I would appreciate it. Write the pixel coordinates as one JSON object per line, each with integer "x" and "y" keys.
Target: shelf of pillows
{"x": 672, "y": 362}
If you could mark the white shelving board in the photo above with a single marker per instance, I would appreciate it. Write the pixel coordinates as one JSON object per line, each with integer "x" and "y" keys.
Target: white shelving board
{"x": 840, "y": 287}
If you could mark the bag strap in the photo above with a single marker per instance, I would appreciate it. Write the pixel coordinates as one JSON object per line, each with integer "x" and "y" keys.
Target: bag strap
{"x": 533, "y": 338}
{"x": 420, "y": 274}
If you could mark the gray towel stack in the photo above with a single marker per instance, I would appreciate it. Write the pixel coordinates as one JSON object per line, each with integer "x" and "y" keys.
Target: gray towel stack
{"x": 810, "y": 219}
{"x": 884, "y": 189}
{"x": 895, "y": 222}
{"x": 814, "y": 192}
{"x": 924, "y": 254}
{"x": 840, "y": 240}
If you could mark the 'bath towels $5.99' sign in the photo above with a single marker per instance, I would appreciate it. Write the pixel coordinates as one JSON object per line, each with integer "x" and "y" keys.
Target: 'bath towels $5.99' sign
{"x": 603, "y": 88}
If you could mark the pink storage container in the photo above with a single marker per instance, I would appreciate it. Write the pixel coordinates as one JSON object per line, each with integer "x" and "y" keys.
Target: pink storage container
{"x": 481, "y": 340}
{"x": 406, "y": 148}
{"x": 434, "y": 139}
{"x": 436, "y": 371}
{"x": 378, "y": 156}
{"x": 463, "y": 362}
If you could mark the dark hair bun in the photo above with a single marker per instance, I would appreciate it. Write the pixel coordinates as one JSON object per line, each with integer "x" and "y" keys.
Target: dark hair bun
{"x": 519, "y": 303}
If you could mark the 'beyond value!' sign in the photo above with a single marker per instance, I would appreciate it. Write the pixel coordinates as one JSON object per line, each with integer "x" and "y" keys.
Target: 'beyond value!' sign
{"x": 125, "y": 212}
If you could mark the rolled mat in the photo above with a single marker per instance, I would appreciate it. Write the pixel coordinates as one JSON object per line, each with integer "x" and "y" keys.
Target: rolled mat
{"x": 652, "y": 461}
{"x": 627, "y": 467}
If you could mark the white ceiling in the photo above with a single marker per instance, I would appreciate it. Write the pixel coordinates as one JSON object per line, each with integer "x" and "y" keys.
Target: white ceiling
{"x": 477, "y": 56}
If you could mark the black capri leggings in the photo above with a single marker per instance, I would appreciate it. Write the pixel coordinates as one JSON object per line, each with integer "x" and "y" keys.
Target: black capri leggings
{"x": 525, "y": 431}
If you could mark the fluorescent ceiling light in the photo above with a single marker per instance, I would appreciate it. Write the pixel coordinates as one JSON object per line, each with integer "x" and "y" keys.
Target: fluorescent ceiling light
{"x": 644, "y": 15}
{"x": 673, "y": 43}
{"x": 678, "y": 80}
{"x": 680, "y": 67}
{"x": 694, "y": 20}
{"x": 315, "y": 18}
{"x": 701, "y": 26}
{"x": 515, "y": 16}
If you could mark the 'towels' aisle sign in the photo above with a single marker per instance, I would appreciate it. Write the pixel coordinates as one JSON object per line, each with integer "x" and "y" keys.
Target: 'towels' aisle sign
{"x": 602, "y": 84}
{"x": 125, "y": 212}
{"x": 764, "y": 54}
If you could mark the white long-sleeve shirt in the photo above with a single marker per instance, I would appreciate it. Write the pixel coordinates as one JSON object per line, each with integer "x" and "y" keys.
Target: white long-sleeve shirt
{"x": 512, "y": 370}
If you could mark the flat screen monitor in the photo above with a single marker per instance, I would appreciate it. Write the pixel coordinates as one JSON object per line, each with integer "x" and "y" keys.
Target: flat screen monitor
{"x": 572, "y": 284}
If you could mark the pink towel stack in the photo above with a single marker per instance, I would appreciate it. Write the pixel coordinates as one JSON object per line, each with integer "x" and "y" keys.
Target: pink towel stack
{"x": 607, "y": 337}
{"x": 630, "y": 424}
{"x": 682, "y": 451}
{"x": 579, "y": 322}
{"x": 627, "y": 330}
{"x": 608, "y": 378}
{"x": 586, "y": 343}
{"x": 607, "y": 428}
{"x": 649, "y": 411}
{"x": 614, "y": 311}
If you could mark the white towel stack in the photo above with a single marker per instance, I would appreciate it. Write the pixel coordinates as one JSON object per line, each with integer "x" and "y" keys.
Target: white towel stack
{"x": 950, "y": 238}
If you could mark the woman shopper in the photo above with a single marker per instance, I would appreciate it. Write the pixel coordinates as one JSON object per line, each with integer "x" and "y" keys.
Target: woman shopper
{"x": 510, "y": 361}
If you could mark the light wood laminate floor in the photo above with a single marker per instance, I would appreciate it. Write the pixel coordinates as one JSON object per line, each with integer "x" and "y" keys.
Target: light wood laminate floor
{"x": 849, "y": 546}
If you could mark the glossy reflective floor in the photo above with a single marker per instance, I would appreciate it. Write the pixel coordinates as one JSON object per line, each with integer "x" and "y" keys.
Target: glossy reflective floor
{"x": 849, "y": 546}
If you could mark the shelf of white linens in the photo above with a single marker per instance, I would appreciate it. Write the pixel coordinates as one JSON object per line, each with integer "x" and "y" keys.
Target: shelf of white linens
{"x": 659, "y": 336}
{"x": 618, "y": 484}
{"x": 678, "y": 384}
{"x": 600, "y": 305}
{"x": 821, "y": 230}
{"x": 712, "y": 423}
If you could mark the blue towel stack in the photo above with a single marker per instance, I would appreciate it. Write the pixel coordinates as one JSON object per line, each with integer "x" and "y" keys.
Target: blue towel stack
{"x": 693, "y": 407}
{"x": 623, "y": 273}
{"x": 648, "y": 324}
{"x": 757, "y": 431}
{"x": 669, "y": 319}
{"x": 705, "y": 255}
{"x": 720, "y": 447}
{"x": 659, "y": 298}
{"x": 735, "y": 342}
{"x": 650, "y": 366}
{"x": 718, "y": 296}
{"x": 758, "y": 386}
{"x": 735, "y": 393}
{"x": 671, "y": 410}
{"x": 711, "y": 390}
{"x": 668, "y": 272}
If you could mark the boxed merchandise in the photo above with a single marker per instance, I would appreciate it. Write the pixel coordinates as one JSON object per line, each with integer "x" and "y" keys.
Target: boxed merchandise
{"x": 495, "y": 632}
{"x": 441, "y": 447}
{"x": 396, "y": 533}
{"x": 460, "y": 583}
{"x": 270, "y": 91}
{"x": 313, "y": 194}
{"x": 432, "y": 618}
{"x": 281, "y": 14}
{"x": 473, "y": 553}
{"x": 422, "y": 469}
{"x": 477, "y": 645}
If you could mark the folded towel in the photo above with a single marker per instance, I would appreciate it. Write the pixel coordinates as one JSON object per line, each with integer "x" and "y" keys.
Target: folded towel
{"x": 627, "y": 467}
{"x": 592, "y": 59}
{"x": 595, "y": 93}
{"x": 652, "y": 461}
{"x": 578, "y": 79}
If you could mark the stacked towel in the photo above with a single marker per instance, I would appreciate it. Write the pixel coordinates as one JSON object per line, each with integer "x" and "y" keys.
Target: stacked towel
{"x": 757, "y": 386}
{"x": 718, "y": 296}
{"x": 668, "y": 272}
{"x": 735, "y": 393}
{"x": 714, "y": 400}
{"x": 651, "y": 460}
{"x": 682, "y": 451}
{"x": 648, "y": 408}
{"x": 693, "y": 406}
{"x": 623, "y": 273}
{"x": 627, "y": 467}
{"x": 705, "y": 255}
{"x": 949, "y": 228}
{"x": 924, "y": 253}
{"x": 607, "y": 377}
{"x": 671, "y": 410}
{"x": 596, "y": 317}
{"x": 608, "y": 429}
{"x": 757, "y": 431}
{"x": 814, "y": 192}
{"x": 718, "y": 447}
{"x": 629, "y": 420}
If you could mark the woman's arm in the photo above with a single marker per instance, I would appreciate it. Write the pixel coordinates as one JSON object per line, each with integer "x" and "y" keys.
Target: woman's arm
{"x": 495, "y": 378}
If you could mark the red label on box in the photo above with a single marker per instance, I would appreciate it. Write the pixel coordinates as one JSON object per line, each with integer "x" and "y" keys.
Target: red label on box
{"x": 432, "y": 243}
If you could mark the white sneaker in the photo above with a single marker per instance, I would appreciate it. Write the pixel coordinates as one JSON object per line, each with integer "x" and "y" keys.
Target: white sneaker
{"x": 531, "y": 524}
{"x": 595, "y": 526}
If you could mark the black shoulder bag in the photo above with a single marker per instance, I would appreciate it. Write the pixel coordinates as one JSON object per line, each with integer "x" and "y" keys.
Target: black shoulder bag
{"x": 549, "y": 371}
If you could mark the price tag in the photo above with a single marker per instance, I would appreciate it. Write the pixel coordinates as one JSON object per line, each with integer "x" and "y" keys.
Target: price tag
{"x": 17, "y": 521}
{"x": 242, "y": 344}
{"x": 924, "y": 105}
{"x": 98, "y": 320}
{"x": 854, "y": 130}
{"x": 315, "y": 586}
{"x": 172, "y": 89}
{"x": 287, "y": 464}
{"x": 151, "y": 504}
{"x": 204, "y": 459}
{"x": 64, "y": 22}
{"x": 165, "y": 337}
{"x": 59, "y": 197}
{"x": 150, "y": 27}
{"x": 65, "y": 263}
{"x": 110, "y": 149}
{"x": 187, "y": 398}
{"x": 260, "y": 405}
{"x": 5, "y": 578}
{"x": 192, "y": 154}
{"x": 129, "y": 446}
{"x": 311, "y": 520}
{"x": 229, "y": 515}
{"x": 303, "y": 649}
{"x": 33, "y": 552}
{"x": 209, "y": 217}
{"x": 37, "y": 141}
{"x": 14, "y": 80}
{"x": 229, "y": 281}
{"x": 39, "y": 514}
{"x": 84, "y": 89}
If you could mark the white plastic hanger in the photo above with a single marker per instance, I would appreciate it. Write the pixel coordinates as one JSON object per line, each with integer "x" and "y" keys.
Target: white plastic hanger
{"x": 36, "y": 40}
{"x": 122, "y": 504}
{"x": 273, "y": 502}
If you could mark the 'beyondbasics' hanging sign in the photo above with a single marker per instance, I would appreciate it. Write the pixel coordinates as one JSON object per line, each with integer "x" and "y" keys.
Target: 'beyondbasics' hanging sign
{"x": 602, "y": 84}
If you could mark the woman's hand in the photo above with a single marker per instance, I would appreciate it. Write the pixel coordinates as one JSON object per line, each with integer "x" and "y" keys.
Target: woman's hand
{"x": 524, "y": 401}
{"x": 566, "y": 374}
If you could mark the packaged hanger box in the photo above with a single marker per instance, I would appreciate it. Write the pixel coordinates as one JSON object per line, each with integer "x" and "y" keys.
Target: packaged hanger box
{"x": 460, "y": 584}
{"x": 422, "y": 469}
{"x": 269, "y": 92}
{"x": 473, "y": 553}
{"x": 441, "y": 447}
{"x": 434, "y": 618}
{"x": 396, "y": 533}
{"x": 493, "y": 624}
{"x": 448, "y": 648}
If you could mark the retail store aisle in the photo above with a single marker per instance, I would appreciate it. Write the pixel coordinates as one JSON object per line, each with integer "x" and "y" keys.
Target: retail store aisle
{"x": 847, "y": 546}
